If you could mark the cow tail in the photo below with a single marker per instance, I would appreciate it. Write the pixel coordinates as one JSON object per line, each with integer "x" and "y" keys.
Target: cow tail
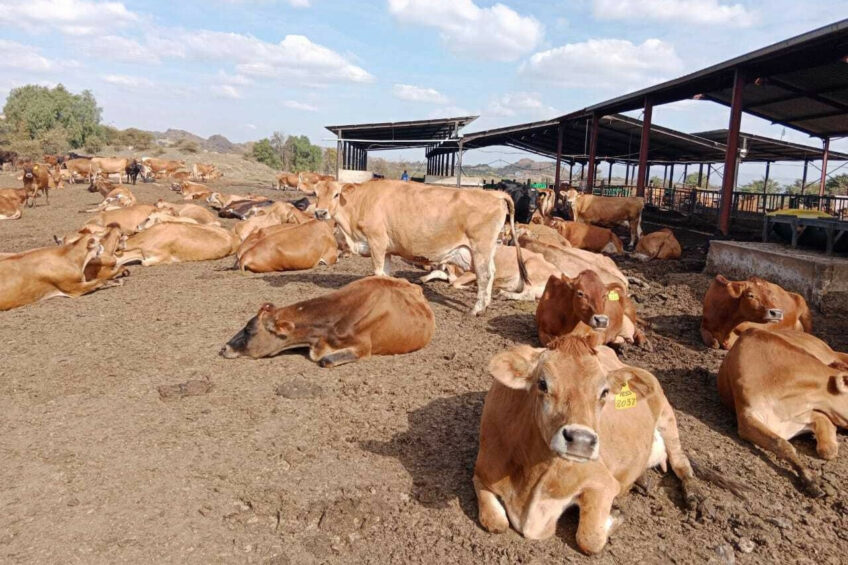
{"x": 522, "y": 269}
{"x": 710, "y": 475}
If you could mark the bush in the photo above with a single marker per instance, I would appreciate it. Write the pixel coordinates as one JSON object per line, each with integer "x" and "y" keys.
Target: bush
{"x": 187, "y": 146}
{"x": 264, "y": 153}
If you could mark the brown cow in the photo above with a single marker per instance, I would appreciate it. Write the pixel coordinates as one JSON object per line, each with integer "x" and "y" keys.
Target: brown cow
{"x": 38, "y": 178}
{"x": 180, "y": 176}
{"x": 569, "y": 425}
{"x": 571, "y": 261}
{"x": 371, "y": 316}
{"x": 11, "y": 203}
{"x": 39, "y": 274}
{"x": 109, "y": 166}
{"x": 126, "y": 218}
{"x": 108, "y": 266}
{"x": 783, "y": 383}
{"x": 286, "y": 180}
{"x": 307, "y": 181}
{"x": 660, "y": 244}
{"x": 191, "y": 190}
{"x": 584, "y": 305}
{"x": 119, "y": 197}
{"x": 729, "y": 303}
{"x": 217, "y": 200}
{"x": 421, "y": 223}
{"x": 275, "y": 214}
{"x": 587, "y": 236}
{"x": 197, "y": 213}
{"x": 205, "y": 171}
{"x": 608, "y": 211}
{"x": 178, "y": 242}
{"x": 539, "y": 232}
{"x": 159, "y": 167}
{"x": 507, "y": 277}
{"x": 78, "y": 168}
{"x": 290, "y": 247}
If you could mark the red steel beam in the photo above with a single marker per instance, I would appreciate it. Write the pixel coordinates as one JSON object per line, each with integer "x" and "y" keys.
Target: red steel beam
{"x": 644, "y": 144}
{"x": 558, "y": 161}
{"x": 593, "y": 149}
{"x": 825, "y": 155}
{"x": 732, "y": 153}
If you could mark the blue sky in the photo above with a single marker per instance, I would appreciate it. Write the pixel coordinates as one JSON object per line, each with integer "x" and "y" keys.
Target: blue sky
{"x": 245, "y": 68}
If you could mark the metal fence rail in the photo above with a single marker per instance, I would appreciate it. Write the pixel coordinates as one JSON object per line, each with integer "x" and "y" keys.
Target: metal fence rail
{"x": 705, "y": 203}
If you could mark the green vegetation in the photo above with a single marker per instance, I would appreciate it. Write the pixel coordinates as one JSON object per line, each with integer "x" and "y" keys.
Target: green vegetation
{"x": 293, "y": 153}
{"x": 42, "y": 120}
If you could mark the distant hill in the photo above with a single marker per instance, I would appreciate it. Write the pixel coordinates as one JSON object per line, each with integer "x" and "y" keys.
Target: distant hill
{"x": 217, "y": 143}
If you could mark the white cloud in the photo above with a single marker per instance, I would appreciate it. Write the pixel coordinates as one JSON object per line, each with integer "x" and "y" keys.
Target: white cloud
{"x": 127, "y": 81}
{"x": 497, "y": 33}
{"x": 686, "y": 11}
{"x": 418, "y": 94}
{"x": 520, "y": 103}
{"x": 72, "y": 17}
{"x": 293, "y": 57}
{"x": 22, "y": 57}
{"x": 299, "y": 3}
{"x": 295, "y": 105}
{"x": 235, "y": 80}
{"x": 225, "y": 91}
{"x": 117, "y": 48}
{"x": 250, "y": 126}
{"x": 604, "y": 63}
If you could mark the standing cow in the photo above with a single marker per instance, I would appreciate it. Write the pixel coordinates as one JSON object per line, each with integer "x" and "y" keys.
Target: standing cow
{"x": 608, "y": 211}
{"x": 421, "y": 223}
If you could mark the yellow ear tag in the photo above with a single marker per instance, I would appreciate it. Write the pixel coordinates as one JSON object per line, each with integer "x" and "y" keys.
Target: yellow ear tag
{"x": 613, "y": 295}
{"x": 625, "y": 399}
{"x": 35, "y": 168}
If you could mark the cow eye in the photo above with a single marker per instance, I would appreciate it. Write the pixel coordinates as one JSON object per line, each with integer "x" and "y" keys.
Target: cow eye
{"x": 336, "y": 195}
{"x": 580, "y": 294}
{"x": 543, "y": 385}
{"x": 604, "y": 394}
{"x": 749, "y": 295}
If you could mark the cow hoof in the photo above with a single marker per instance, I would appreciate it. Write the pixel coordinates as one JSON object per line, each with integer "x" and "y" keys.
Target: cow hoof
{"x": 693, "y": 495}
{"x": 827, "y": 452}
{"x": 646, "y": 345}
{"x": 812, "y": 488}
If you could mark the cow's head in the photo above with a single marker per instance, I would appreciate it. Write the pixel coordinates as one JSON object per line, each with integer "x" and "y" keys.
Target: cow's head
{"x": 265, "y": 335}
{"x": 585, "y": 296}
{"x": 569, "y": 390}
{"x": 329, "y": 195}
{"x": 756, "y": 299}
{"x": 571, "y": 196}
{"x": 30, "y": 171}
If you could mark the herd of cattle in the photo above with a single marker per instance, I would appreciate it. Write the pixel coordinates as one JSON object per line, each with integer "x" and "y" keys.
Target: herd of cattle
{"x": 567, "y": 423}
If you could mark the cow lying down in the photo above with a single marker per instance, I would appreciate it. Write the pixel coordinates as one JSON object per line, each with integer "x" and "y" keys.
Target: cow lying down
{"x": 783, "y": 383}
{"x": 371, "y": 316}
{"x": 729, "y": 303}
{"x": 570, "y": 425}
{"x": 288, "y": 247}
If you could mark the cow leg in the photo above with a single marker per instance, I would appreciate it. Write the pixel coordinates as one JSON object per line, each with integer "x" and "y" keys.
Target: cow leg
{"x": 827, "y": 445}
{"x": 378, "y": 257}
{"x": 680, "y": 465}
{"x": 596, "y": 518}
{"x": 463, "y": 280}
{"x": 484, "y": 268}
{"x": 491, "y": 512}
{"x": 435, "y": 275}
{"x": 756, "y": 432}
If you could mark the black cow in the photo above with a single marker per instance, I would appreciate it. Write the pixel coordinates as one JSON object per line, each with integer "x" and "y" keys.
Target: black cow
{"x": 133, "y": 170}
{"x": 523, "y": 196}
{"x": 301, "y": 203}
{"x": 9, "y": 157}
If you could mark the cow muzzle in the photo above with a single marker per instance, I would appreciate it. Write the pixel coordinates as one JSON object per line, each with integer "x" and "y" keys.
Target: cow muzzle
{"x": 576, "y": 443}
{"x": 228, "y": 352}
{"x": 599, "y": 322}
{"x": 774, "y": 315}
{"x": 322, "y": 214}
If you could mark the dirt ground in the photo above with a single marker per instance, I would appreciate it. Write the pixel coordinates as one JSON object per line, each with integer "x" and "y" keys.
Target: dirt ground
{"x": 280, "y": 461}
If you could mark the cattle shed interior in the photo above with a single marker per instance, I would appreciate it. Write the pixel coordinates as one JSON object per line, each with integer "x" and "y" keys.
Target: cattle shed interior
{"x": 800, "y": 83}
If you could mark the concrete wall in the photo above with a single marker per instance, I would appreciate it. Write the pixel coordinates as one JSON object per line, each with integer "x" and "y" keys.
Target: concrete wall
{"x": 821, "y": 280}
{"x": 347, "y": 175}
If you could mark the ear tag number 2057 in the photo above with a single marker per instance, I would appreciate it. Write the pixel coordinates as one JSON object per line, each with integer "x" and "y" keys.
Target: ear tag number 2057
{"x": 625, "y": 399}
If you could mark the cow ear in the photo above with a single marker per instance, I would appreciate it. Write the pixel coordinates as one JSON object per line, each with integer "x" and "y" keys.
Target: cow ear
{"x": 281, "y": 327}
{"x": 735, "y": 289}
{"x": 639, "y": 381}
{"x": 720, "y": 279}
{"x": 514, "y": 368}
{"x": 840, "y": 382}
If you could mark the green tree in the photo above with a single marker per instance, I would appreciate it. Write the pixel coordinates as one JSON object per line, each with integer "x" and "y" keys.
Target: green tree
{"x": 264, "y": 153}
{"x": 31, "y": 111}
{"x": 302, "y": 154}
{"x": 328, "y": 165}
{"x": 837, "y": 184}
{"x": 757, "y": 186}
